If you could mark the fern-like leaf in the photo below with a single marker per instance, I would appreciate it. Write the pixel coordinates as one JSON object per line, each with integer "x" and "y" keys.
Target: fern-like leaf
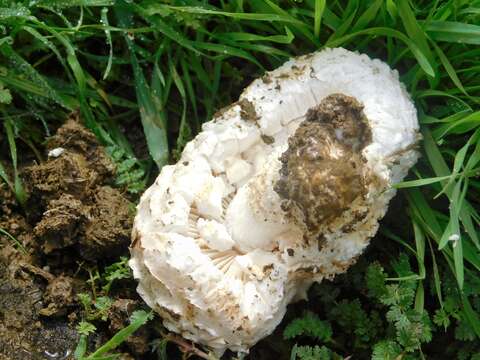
{"x": 309, "y": 325}
{"x": 375, "y": 280}
{"x": 130, "y": 172}
{"x": 313, "y": 353}
{"x": 386, "y": 350}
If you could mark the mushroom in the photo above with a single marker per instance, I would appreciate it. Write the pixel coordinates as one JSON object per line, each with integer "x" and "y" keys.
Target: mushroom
{"x": 281, "y": 189}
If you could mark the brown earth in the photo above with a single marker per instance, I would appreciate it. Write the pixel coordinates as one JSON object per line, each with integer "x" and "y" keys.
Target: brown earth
{"x": 73, "y": 220}
{"x": 71, "y": 201}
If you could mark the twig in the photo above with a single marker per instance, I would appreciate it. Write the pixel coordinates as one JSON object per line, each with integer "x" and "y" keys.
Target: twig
{"x": 185, "y": 346}
{"x": 37, "y": 271}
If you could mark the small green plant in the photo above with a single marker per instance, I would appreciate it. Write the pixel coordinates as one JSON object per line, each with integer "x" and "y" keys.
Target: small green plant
{"x": 138, "y": 319}
{"x": 95, "y": 309}
{"x": 386, "y": 350}
{"x": 310, "y": 325}
{"x": 386, "y": 322}
{"x": 412, "y": 327}
{"x": 313, "y": 353}
{"x": 130, "y": 172}
{"x": 452, "y": 312}
{"x": 117, "y": 271}
{"x": 5, "y": 95}
{"x": 97, "y": 304}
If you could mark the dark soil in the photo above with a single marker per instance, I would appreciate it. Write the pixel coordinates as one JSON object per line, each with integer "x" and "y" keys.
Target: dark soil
{"x": 74, "y": 220}
{"x": 23, "y": 332}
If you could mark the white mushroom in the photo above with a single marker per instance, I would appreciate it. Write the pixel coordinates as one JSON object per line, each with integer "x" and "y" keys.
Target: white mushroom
{"x": 281, "y": 189}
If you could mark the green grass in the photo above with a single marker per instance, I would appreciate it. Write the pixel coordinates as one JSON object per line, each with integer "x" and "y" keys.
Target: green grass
{"x": 169, "y": 65}
{"x": 138, "y": 319}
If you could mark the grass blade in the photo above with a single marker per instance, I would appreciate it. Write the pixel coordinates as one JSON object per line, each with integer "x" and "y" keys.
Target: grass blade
{"x": 243, "y": 36}
{"x": 383, "y": 31}
{"x": 414, "y": 31}
{"x": 20, "y": 193}
{"x": 368, "y": 16}
{"x": 300, "y": 26}
{"x": 137, "y": 319}
{"x": 62, "y": 4}
{"x": 280, "y": 16}
{"x": 449, "y": 68}
{"x": 17, "y": 243}
{"x": 458, "y": 261}
{"x": 225, "y": 50}
{"x": 184, "y": 130}
{"x": 455, "y": 32}
{"x": 153, "y": 123}
{"x": 319, "y": 9}
{"x": 81, "y": 347}
{"x": 421, "y": 182}
{"x": 471, "y": 316}
{"x": 109, "y": 42}
{"x": 4, "y": 176}
{"x": 26, "y": 77}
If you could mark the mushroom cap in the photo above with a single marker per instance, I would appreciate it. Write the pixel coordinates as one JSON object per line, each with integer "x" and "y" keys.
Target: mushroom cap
{"x": 283, "y": 188}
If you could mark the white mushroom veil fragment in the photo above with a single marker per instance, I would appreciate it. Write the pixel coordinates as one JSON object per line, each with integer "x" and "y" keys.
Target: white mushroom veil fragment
{"x": 281, "y": 189}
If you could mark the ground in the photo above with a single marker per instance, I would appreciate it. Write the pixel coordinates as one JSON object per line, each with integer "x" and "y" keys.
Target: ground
{"x": 73, "y": 220}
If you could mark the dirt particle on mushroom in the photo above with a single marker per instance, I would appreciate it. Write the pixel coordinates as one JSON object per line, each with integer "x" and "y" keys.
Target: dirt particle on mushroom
{"x": 266, "y": 79}
{"x": 267, "y": 139}
{"x": 247, "y": 110}
{"x": 318, "y": 181}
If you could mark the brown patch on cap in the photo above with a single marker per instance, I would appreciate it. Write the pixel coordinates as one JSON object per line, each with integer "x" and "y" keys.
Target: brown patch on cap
{"x": 169, "y": 314}
{"x": 267, "y": 79}
{"x": 219, "y": 113}
{"x": 267, "y": 139}
{"x": 267, "y": 269}
{"x": 135, "y": 240}
{"x": 305, "y": 272}
{"x": 323, "y": 169}
{"x": 247, "y": 110}
{"x": 190, "y": 312}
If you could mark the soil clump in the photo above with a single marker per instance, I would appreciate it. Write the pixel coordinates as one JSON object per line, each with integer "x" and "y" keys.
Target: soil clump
{"x": 73, "y": 223}
{"x": 71, "y": 201}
